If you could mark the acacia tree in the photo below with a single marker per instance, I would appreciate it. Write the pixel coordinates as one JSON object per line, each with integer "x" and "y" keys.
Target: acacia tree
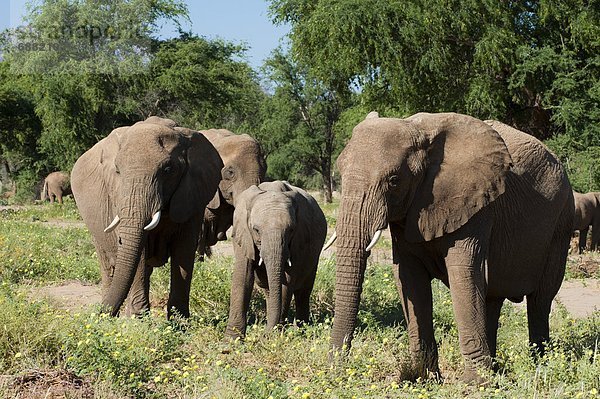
{"x": 203, "y": 84}
{"x": 299, "y": 132}
{"x": 86, "y": 67}
{"x": 532, "y": 64}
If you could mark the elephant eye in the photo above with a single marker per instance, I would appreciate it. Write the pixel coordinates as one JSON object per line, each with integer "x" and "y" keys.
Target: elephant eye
{"x": 228, "y": 173}
{"x": 168, "y": 167}
{"x": 394, "y": 181}
{"x": 117, "y": 170}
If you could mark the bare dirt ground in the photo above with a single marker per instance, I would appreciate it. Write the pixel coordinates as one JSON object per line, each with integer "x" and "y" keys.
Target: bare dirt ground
{"x": 48, "y": 384}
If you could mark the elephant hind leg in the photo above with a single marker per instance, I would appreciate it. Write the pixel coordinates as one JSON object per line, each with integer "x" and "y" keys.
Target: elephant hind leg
{"x": 583, "y": 239}
{"x": 595, "y": 235}
{"x": 540, "y": 301}
{"x": 302, "y": 298}
{"x": 286, "y": 298}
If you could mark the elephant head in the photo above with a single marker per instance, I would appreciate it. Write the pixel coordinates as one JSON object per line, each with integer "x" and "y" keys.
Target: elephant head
{"x": 428, "y": 174}
{"x": 145, "y": 177}
{"x": 264, "y": 224}
{"x": 244, "y": 166}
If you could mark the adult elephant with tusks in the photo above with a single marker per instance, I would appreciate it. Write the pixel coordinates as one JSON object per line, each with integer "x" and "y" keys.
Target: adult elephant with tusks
{"x": 142, "y": 192}
{"x": 481, "y": 206}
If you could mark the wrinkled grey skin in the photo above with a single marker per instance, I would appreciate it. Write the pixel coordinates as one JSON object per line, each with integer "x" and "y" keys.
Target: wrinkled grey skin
{"x": 276, "y": 222}
{"x": 485, "y": 208}
{"x": 56, "y": 186}
{"x": 587, "y": 213}
{"x": 244, "y": 166}
{"x": 134, "y": 172}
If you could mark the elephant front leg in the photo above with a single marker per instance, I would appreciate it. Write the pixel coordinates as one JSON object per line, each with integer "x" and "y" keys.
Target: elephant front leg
{"x": 465, "y": 264}
{"x": 414, "y": 286}
{"x": 242, "y": 283}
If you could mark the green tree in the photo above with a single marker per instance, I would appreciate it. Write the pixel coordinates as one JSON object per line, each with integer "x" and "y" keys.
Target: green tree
{"x": 532, "y": 64}
{"x": 86, "y": 65}
{"x": 203, "y": 84}
{"x": 299, "y": 133}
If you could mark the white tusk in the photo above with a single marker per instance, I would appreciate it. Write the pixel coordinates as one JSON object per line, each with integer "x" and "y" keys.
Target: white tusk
{"x": 330, "y": 242}
{"x": 376, "y": 238}
{"x": 260, "y": 262}
{"x": 112, "y": 224}
{"x": 154, "y": 222}
{"x": 290, "y": 263}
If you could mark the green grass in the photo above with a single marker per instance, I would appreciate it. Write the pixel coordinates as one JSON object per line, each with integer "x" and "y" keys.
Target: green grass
{"x": 153, "y": 358}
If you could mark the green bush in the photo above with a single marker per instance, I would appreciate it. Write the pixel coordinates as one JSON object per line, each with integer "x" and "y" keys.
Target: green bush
{"x": 581, "y": 162}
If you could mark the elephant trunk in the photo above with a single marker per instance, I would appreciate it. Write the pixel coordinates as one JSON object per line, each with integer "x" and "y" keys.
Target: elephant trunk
{"x": 275, "y": 257}
{"x": 139, "y": 206}
{"x": 355, "y": 228}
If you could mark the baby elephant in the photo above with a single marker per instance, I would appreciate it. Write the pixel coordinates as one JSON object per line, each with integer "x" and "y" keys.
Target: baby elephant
{"x": 278, "y": 233}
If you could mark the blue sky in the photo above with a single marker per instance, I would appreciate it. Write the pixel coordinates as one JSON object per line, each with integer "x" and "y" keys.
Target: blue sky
{"x": 239, "y": 21}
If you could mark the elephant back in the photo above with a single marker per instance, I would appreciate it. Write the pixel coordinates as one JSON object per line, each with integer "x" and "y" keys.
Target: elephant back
{"x": 533, "y": 161}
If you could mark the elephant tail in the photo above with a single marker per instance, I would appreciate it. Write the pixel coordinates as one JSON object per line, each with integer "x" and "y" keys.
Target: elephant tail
{"x": 44, "y": 195}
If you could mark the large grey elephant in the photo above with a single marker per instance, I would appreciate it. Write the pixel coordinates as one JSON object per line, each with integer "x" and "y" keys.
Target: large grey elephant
{"x": 278, "y": 233}
{"x": 142, "y": 192}
{"x": 56, "y": 186}
{"x": 483, "y": 207}
{"x": 587, "y": 213}
{"x": 244, "y": 166}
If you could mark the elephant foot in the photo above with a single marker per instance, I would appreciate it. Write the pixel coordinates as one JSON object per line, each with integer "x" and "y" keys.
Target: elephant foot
{"x": 475, "y": 377}
{"x": 229, "y": 343}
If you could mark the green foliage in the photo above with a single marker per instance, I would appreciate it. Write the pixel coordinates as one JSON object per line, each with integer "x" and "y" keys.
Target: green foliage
{"x": 80, "y": 62}
{"x": 203, "y": 83}
{"x": 79, "y": 70}
{"x": 151, "y": 358}
{"x": 26, "y": 181}
{"x": 19, "y": 126}
{"x": 124, "y": 352}
{"x": 534, "y": 65}
{"x": 299, "y": 131}
{"x": 581, "y": 162}
{"x": 29, "y": 332}
{"x": 31, "y": 250}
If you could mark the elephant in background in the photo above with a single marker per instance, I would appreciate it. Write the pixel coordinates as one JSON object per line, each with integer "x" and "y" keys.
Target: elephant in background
{"x": 587, "y": 213}
{"x": 244, "y": 166}
{"x": 483, "y": 207}
{"x": 142, "y": 192}
{"x": 56, "y": 185}
{"x": 278, "y": 233}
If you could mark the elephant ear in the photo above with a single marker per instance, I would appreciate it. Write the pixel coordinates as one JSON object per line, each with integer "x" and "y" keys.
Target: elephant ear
{"x": 199, "y": 183}
{"x": 241, "y": 234}
{"x": 467, "y": 166}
